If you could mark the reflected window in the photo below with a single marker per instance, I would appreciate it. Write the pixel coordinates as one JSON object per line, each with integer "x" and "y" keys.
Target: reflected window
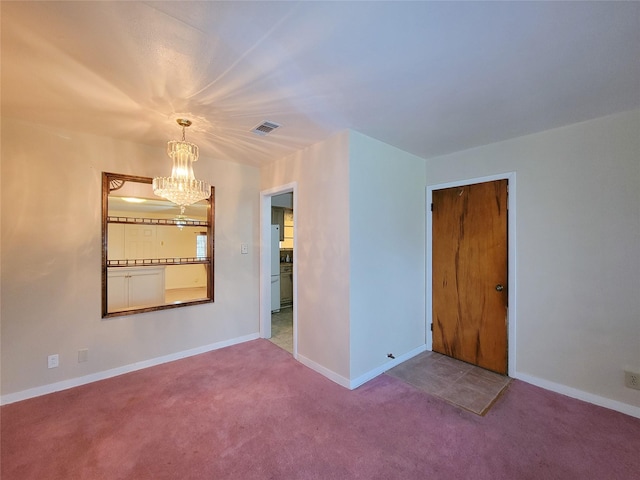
{"x": 201, "y": 245}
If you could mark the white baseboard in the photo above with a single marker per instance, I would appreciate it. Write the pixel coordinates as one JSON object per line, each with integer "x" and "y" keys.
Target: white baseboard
{"x": 330, "y": 374}
{"x": 114, "y": 372}
{"x": 539, "y": 382}
{"x": 362, "y": 379}
{"x": 580, "y": 395}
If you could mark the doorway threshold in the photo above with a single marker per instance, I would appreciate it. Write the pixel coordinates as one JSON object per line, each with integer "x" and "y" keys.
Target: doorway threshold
{"x": 461, "y": 384}
{"x": 282, "y": 328}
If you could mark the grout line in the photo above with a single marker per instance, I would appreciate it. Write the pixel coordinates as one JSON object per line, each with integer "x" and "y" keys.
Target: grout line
{"x": 486, "y": 399}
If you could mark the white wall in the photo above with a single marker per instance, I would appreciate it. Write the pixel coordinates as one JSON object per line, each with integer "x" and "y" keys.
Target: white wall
{"x": 50, "y": 264}
{"x": 322, "y": 238}
{"x": 578, "y": 249}
{"x": 578, "y": 254}
{"x": 361, "y": 252}
{"x": 387, "y": 252}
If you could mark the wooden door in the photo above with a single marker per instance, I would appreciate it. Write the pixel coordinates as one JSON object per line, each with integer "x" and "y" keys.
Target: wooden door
{"x": 470, "y": 274}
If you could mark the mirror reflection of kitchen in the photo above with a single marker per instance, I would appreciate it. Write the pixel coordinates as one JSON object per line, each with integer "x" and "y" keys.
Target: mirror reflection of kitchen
{"x": 131, "y": 286}
{"x": 282, "y": 271}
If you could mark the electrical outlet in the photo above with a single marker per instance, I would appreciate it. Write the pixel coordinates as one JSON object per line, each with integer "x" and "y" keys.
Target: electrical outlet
{"x": 244, "y": 248}
{"x": 53, "y": 361}
{"x": 632, "y": 379}
{"x": 83, "y": 355}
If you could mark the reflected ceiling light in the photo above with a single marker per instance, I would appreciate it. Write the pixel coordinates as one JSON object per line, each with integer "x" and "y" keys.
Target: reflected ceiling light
{"x": 133, "y": 199}
{"x": 181, "y": 221}
{"x": 181, "y": 187}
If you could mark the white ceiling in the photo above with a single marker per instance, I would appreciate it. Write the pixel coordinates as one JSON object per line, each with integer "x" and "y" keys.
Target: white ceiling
{"x": 427, "y": 77}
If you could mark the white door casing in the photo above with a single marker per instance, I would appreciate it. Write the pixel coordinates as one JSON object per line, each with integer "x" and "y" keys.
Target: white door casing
{"x": 265, "y": 261}
{"x": 511, "y": 314}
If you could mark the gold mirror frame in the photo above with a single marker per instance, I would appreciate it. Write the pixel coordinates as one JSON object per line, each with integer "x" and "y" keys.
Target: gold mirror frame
{"x": 115, "y": 271}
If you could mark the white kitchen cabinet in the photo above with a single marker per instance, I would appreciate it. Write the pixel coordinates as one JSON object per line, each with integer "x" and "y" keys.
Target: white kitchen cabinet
{"x": 131, "y": 241}
{"x": 288, "y": 217}
{"x": 286, "y": 284}
{"x": 288, "y": 229}
{"x": 284, "y": 218}
{"x": 135, "y": 287}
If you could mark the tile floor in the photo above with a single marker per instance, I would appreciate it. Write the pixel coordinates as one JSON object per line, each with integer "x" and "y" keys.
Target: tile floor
{"x": 282, "y": 329}
{"x": 462, "y": 384}
{"x": 467, "y": 386}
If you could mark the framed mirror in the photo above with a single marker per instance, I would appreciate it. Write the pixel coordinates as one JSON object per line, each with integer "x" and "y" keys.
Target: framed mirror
{"x": 153, "y": 256}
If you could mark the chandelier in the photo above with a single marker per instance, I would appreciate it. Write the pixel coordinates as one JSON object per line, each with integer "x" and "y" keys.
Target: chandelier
{"x": 182, "y": 187}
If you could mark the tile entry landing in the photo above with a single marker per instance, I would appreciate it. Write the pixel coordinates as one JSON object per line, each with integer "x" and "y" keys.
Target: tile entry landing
{"x": 462, "y": 384}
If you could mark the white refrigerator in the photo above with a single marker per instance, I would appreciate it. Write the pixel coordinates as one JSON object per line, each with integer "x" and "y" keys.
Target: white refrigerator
{"x": 275, "y": 268}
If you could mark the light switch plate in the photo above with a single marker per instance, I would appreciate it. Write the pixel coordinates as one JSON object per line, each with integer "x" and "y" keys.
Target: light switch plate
{"x": 53, "y": 361}
{"x": 244, "y": 248}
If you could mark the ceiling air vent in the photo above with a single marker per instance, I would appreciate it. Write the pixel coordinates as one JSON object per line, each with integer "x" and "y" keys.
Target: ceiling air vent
{"x": 265, "y": 128}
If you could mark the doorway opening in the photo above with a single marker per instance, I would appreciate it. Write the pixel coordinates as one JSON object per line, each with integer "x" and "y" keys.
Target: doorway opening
{"x": 282, "y": 238}
{"x": 278, "y": 279}
{"x": 453, "y": 288}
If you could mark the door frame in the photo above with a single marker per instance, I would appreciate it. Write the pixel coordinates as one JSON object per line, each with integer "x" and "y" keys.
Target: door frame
{"x": 511, "y": 271}
{"x": 265, "y": 260}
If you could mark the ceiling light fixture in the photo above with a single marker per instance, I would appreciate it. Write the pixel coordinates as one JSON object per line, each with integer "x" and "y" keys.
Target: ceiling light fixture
{"x": 181, "y": 187}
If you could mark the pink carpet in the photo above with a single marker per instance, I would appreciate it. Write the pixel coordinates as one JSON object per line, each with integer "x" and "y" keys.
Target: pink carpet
{"x": 252, "y": 412}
